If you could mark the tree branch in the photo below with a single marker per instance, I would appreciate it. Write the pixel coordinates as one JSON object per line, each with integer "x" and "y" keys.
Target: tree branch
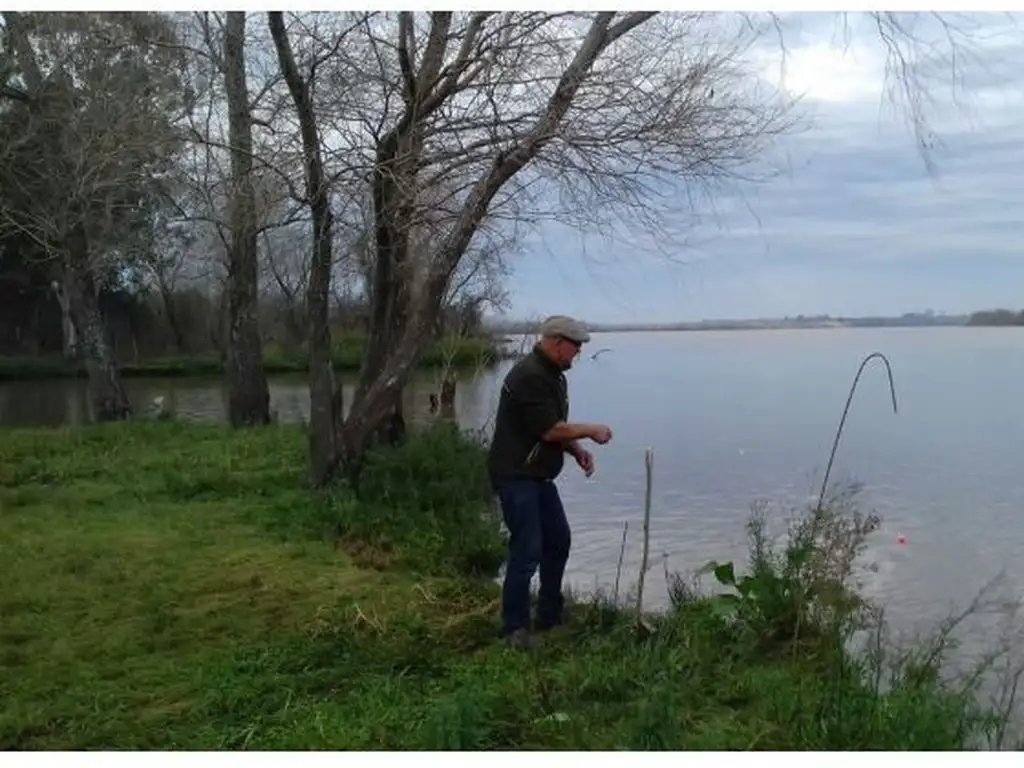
{"x": 406, "y": 50}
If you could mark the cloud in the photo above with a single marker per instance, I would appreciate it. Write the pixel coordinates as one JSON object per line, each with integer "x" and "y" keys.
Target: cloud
{"x": 854, "y": 224}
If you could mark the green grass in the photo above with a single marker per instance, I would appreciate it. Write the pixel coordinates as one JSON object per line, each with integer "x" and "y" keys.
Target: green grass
{"x": 174, "y": 586}
{"x": 347, "y": 356}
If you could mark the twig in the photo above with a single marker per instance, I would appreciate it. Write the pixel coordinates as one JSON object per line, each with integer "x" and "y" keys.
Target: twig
{"x": 1008, "y": 699}
{"x": 648, "y": 466}
{"x": 846, "y": 410}
{"x": 484, "y": 610}
{"x": 362, "y": 618}
{"x": 622, "y": 554}
{"x": 426, "y": 595}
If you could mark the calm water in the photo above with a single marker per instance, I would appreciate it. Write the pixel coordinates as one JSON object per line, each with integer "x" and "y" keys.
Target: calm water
{"x": 736, "y": 417}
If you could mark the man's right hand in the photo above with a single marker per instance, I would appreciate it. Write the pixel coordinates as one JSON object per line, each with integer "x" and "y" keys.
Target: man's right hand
{"x": 564, "y": 433}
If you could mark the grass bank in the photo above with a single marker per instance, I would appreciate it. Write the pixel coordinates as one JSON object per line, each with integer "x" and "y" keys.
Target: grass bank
{"x": 348, "y": 356}
{"x": 174, "y": 586}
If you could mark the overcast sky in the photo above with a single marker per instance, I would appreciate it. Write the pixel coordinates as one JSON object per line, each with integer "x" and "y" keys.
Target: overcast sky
{"x": 855, "y": 226}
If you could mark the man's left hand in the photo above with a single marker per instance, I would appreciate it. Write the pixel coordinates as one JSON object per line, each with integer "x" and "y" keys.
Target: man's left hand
{"x": 585, "y": 459}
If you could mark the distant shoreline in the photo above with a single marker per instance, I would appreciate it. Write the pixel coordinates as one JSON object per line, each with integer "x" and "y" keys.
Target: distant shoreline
{"x": 748, "y": 325}
{"x": 755, "y": 326}
{"x": 787, "y": 324}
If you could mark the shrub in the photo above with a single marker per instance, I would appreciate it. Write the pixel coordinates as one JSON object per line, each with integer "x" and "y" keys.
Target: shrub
{"x": 428, "y": 503}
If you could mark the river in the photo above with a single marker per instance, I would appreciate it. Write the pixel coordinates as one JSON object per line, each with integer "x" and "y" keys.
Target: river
{"x": 734, "y": 417}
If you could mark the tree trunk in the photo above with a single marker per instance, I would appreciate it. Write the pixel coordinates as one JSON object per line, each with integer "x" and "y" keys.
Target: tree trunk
{"x": 325, "y": 396}
{"x": 448, "y": 395}
{"x": 173, "y": 320}
{"x": 221, "y": 323}
{"x": 398, "y": 330}
{"x": 391, "y": 429}
{"x": 109, "y": 401}
{"x": 394, "y": 346}
{"x": 248, "y": 396}
{"x": 391, "y": 289}
{"x": 69, "y": 338}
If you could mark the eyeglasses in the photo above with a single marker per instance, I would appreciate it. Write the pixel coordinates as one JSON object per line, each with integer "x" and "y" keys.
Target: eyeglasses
{"x": 573, "y": 343}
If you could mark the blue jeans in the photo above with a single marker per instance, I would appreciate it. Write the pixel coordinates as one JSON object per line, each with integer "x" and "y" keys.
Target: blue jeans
{"x": 539, "y": 537}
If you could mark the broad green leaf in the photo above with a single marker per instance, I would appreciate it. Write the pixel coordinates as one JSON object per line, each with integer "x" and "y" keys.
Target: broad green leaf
{"x": 726, "y": 573}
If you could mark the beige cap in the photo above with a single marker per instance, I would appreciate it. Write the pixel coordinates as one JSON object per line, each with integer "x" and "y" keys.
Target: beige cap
{"x": 567, "y": 327}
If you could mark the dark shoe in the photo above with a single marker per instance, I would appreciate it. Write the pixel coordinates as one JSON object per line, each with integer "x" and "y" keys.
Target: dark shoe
{"x": 521, "y": 640}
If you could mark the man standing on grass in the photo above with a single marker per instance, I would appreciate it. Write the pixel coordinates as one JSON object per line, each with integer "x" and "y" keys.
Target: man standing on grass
{"x": 531, "y": 437}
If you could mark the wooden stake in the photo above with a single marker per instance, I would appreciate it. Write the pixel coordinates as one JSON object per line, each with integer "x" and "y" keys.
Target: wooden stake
{"x": 648, "y": 467}
{"x": 618, "y": 571}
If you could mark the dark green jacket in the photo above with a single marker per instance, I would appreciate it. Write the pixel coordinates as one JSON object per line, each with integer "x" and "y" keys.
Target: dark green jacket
{"x": 534, "y": 397}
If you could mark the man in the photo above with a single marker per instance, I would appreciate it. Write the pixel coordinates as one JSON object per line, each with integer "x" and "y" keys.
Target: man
{"x": 532, "y": 434}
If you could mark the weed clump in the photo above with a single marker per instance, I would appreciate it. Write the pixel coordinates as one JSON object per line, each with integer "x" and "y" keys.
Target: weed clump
{"x": 805, "y": 589}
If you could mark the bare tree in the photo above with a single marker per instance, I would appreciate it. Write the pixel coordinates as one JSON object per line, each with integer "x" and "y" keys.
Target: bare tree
{"x": 624, "y": 110}
{"x": 326, "y": 416}
{"x": 235, "y": 98}
{"x": 94, "y": 129}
